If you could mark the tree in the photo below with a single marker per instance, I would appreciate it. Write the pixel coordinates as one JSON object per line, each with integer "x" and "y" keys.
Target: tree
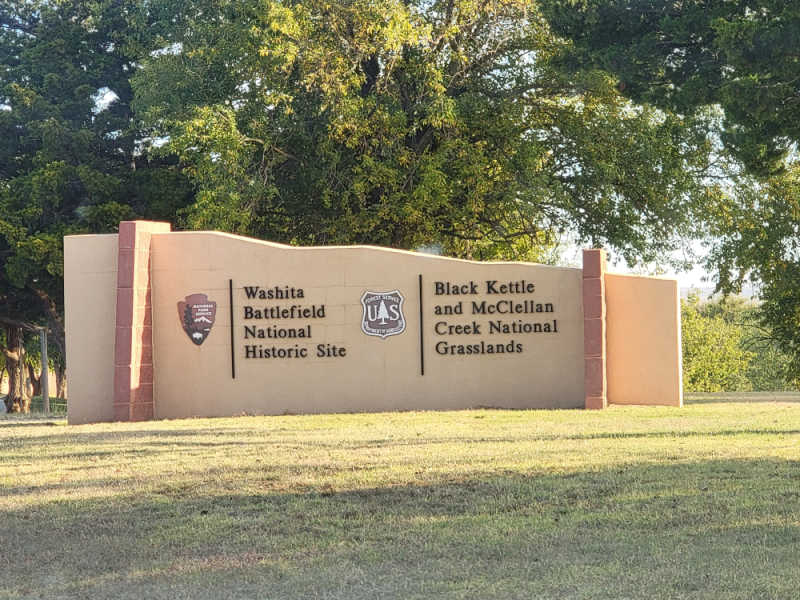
{"x": 740, "y": 55}
{"x": 713, "y": 357}
{"x": 758, "y": 238}
{"x": 16, "y": 399}
{"x": 3, "y": 365}
{"x": 408, "y": 123}
{"x": 70, "y": 159}
{"x": 383, "y": 314}
{"x": 769, "y": 368}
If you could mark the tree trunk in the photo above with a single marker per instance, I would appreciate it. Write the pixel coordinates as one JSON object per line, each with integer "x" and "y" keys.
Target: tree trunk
{"x": 36, "y": 382}
{"x": 16, "y": 400}
{"x": 61, "y": 382}
{"x": 23, "y": 375}
{"x": 56, "y": 336}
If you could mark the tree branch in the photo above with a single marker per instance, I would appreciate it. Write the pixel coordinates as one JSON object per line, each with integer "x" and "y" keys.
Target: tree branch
{"x": 6, "y": 322}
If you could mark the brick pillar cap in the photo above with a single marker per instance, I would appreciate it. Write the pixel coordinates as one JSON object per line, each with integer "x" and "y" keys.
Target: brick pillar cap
{"x": 594, "y": 262}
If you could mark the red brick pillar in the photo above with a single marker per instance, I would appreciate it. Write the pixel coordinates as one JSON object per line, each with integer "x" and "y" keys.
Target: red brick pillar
{"x": 594, "y": 328}
{"x": 133, "y": 348}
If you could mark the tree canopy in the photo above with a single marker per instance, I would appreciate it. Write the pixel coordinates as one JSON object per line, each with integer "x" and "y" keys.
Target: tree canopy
{"x": 739, "y": 54}
{"x": 71, "y": 153}
{"x": 758, "y": 238}
{"x": 407, "y": 123}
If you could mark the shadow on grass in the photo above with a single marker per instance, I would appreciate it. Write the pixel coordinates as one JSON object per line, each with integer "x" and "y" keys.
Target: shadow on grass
{"x": 14, "y": 421}
{"x": 711, "y": 529}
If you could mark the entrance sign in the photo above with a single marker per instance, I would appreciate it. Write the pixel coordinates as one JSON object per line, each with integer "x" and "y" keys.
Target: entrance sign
{"x": 343, "y": 329}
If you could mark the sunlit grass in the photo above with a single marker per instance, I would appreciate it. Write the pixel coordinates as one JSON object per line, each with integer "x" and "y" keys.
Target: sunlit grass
{"x": 699, "y": 502}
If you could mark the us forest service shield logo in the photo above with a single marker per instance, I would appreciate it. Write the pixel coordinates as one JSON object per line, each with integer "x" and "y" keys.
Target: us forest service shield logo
{"x": 383, "y": 313}
{"x": 197, "y": 313}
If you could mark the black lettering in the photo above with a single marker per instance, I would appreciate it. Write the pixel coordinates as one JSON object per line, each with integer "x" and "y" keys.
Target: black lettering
{"x": 330, "y": 351}
{"x": 259, "y": 351}
{"x": 449, "y": 309}
{"x": 442, "y": 328}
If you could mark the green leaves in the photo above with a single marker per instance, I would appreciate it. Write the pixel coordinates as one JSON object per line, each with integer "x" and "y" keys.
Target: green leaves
{"x": 410, "y": 123}
{"x": 758, "y": 239}
{"x": 740, "y": 55}
{"x": 713, "y": 357}
{"x": 726, "y": 347}
{"x": 68, "y": 162}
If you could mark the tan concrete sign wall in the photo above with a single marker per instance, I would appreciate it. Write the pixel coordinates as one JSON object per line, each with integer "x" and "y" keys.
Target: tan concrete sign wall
{"x": 360, "y": 329}
{"x": 164, "y": 324}
{"x": 90, "y": 299}
{"x": 643, "y": 340}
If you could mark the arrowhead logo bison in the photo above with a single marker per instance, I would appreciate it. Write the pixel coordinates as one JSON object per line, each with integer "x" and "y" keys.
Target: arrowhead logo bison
{"x": 197, "y": 313}
{"x": 383, "y": 313}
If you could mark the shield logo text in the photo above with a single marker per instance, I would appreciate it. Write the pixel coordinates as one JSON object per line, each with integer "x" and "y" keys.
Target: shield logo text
{"x": 383, "y": 313}
{"x": 197, "y": 313}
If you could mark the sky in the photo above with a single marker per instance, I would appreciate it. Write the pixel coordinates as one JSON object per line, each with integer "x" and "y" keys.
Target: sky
{"x": 696, "y": 278}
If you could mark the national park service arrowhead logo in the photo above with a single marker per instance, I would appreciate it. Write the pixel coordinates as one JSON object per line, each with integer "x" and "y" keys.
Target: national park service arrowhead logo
{"x": 197, "y": 313}
{"x": 383, "y": 313}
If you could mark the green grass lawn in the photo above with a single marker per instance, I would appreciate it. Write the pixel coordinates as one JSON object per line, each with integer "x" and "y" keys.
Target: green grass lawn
{"x": 699, "y": 502}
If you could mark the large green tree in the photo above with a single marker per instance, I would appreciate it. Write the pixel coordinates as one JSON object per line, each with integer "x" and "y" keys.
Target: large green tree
{"x": 740, "y": 56}
{"x": 70, "y": 159}
{"x": 758, "y": 238}
{"x": 408, "y": 122}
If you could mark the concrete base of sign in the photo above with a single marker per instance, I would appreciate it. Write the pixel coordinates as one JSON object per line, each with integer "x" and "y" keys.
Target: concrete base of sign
{"x": 167, "y": 324}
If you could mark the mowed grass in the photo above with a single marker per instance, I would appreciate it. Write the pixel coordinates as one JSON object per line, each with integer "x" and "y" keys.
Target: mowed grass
{"x": 631, "y": 502}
